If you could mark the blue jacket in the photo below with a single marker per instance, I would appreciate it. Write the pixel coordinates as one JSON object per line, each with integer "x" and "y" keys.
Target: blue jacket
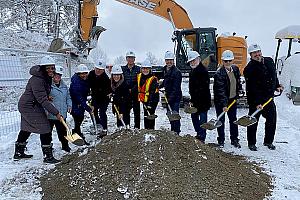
{"x": 172, "y": 84}
{"x": 61, "y": 99}
{"x": 79, "y": 90}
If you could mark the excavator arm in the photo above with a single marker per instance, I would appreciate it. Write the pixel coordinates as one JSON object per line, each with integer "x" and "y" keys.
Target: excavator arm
{"x": 167, "y": 9}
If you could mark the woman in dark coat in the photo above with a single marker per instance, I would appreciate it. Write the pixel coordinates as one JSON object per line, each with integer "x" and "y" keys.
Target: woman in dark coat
{"x": 32, "y": 106}
{"x": 79, "y": 90}
{"x": 121, "y": 96}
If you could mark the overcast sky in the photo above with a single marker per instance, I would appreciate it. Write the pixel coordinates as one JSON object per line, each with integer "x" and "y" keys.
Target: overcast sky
{"x": 129, "y": 28}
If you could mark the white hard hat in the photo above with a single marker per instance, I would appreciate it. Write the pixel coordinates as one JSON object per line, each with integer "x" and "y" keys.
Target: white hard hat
{"x": 253, "y": 48}
{"x": 130, "y": 54}
{"x": 47, "y": 60}
{"x": 147, "y": 64}
{"x": 117, "y": 70}
{"x": 82, "y": 68}
{"x": 169, "y": 55}
{"x": 227, "y": 55}
{"x": 59, "y": 69}
{"x": 192, "y": 55}
{"x": 100, "y": 64}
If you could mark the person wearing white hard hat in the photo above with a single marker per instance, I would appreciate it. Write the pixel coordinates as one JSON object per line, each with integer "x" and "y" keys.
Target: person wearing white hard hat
{"x": 61, "y": 99}
{"x": 79, "y": 90}
{"x": 121, "y": 97}
{"x": 130, "y": 72}
{"x": 261, "y": 83}
{"x": 32, "y": 105}
{"x": 100, "y": 90}
{"x": 172, "y": 84}
{"x": 227, "y": 86}
{"x": 200, "y": 94}
{"x": 148, "y": 93}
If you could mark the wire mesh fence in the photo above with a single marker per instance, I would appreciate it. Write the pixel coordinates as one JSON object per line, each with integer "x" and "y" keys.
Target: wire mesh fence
{"x": 14, "y": 74}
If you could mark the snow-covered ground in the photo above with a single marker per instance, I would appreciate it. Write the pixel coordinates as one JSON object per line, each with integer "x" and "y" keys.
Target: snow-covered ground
{"x": 19, "y": 179}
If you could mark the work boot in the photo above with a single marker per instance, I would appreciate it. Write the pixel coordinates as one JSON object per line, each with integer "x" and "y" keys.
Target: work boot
{"x": 66, "y": 148}
{"x": 221, "y": 145}
{"x": 102, "y": 134}
{"x": 197, "y": 137}
{"x": 48, "y": 154}
{"x": 19, "y": 151}
{"x": 236, "y": 143}
{"x": 252, "y": 147}
{"x": 270, "y": 146}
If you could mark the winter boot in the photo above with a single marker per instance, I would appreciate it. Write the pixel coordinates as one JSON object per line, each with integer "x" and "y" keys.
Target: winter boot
{"x": 66, "y": 148}
{"x": 19, "y": 151}
{"x": 102, "y": 134}
{"x": 236, "y": 143}
{"x": 48, "y": 154}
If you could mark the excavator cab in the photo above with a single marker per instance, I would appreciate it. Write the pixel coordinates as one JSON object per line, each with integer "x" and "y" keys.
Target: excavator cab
{"x": 202, "y": 40}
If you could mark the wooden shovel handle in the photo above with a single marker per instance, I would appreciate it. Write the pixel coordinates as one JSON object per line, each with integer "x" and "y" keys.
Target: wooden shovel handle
{"x": 267, "y": 102}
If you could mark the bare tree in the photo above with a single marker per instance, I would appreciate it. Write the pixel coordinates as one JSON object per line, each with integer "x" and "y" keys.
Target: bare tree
{"x": 120, "y": 60}
{"x": 151, "y": 58}
{"x": 98, "y": 54}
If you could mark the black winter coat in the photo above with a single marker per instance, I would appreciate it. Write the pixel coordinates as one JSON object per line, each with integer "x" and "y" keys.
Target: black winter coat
{"x": 172, "y": 84}
{"x": 261, "y": 81}
{"x": 121, "y": 98}
{"x": 199, "y": 88}
{"x": 100, "y": 87}
{"x": 222, "y": 86}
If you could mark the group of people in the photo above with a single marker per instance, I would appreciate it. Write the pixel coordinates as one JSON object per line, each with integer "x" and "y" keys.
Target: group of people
{"x": 47, "y": 99}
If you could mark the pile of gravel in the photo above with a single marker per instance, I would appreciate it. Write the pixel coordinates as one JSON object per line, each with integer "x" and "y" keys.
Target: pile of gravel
{"x": 155, "y": 165}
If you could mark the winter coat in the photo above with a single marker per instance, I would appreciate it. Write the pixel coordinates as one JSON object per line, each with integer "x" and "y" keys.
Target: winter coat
{"x": 130, "y": 77}
{"x": 153, "y": 98}
{"x": 261, "y": 81}
{"x": 34, "y": 101}
{"x": 61, "y": 99}
{"x": 172, "y": 84}
{"x": 79, "y": 90}
{"x": 222, "y": 85}
{"x": 100, "y": 88}
{"x": 121, "y": 98}
{"x": 199, "y": 88}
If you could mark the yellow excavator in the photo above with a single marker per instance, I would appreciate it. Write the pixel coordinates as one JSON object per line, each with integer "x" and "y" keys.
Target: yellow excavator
{"x": 186, "y": 37}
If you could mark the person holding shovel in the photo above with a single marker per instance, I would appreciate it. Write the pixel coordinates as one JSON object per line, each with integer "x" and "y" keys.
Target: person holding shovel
{"x": 148, "y": 94}
{"x": 200, "y": 94}
{"x": 226, "y": 87}
{"x": 32, "y": 105}
{"x": 121, "y": 99}
{"x": 60, "y": 98}
{"x": 261, "y": 83}
{"x": 172, "y": 84}
{"x": 79, "y": 90}
{"x": 100, "y": 90}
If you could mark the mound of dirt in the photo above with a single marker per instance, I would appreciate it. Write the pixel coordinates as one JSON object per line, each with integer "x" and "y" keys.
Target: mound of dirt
{"x": 155, "y": 165}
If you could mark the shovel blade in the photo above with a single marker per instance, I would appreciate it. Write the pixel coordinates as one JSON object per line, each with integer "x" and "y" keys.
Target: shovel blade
{"x": 212, "y": 124}
{"x": 173, "y": 116}
{"x": 245, "y": 121}
{"x": 75, "y": 139}
{"x": 151, "y": 117}
{"x": 190, "y": 109}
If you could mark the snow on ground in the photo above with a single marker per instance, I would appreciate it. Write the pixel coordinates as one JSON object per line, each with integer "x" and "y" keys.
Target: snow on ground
{"x": 19, "y": 179}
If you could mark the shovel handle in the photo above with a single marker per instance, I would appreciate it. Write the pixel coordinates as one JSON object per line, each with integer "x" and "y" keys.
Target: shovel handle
{"x": 267, "y": 102}
{"x": 146, "y": 109}
{"x": 167, "y": 102}
{"x": 258, "y": 110}
{"x": 230, "y": 105}
{"x": 118, "y": 114}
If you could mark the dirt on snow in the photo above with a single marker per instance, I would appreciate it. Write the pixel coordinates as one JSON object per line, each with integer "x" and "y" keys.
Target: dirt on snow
{"x": 149, "y": 164}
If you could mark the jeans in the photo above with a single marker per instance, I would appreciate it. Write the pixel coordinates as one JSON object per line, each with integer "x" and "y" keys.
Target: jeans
{"x": 233, "y": 127}
{"x": 100, "y": 114}
{"x": 198, "y": 119}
